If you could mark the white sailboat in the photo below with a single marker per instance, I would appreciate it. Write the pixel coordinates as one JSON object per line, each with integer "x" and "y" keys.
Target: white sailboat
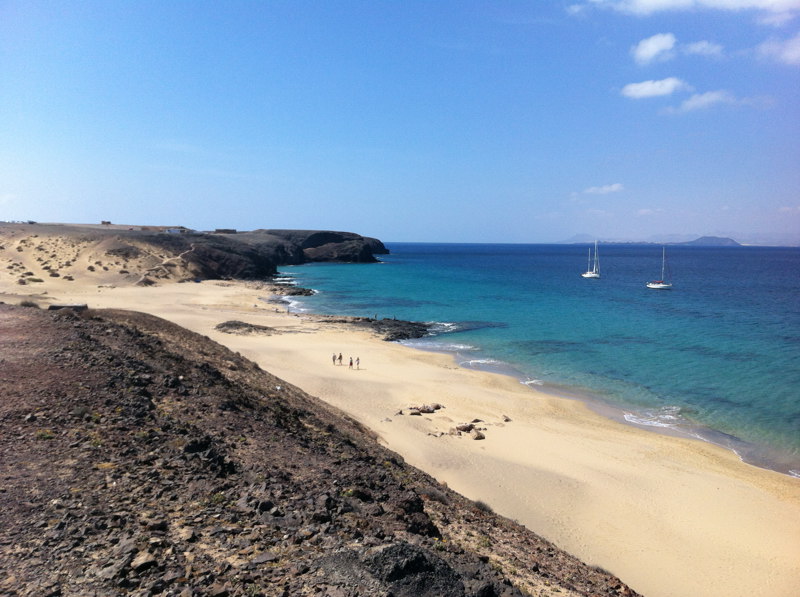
{"x": 661, "y": 284}
{"x": 593, "y": 268}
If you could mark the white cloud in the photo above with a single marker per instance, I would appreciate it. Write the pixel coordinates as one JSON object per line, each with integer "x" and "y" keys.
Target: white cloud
{"x": 644, "y": 89}
{"x": 785, "y": 51}
{"x": 658, "y": 47}
{"x": 703, "y": 48}
{"x": 649, "y": 211}
{"x": 605, "y": 189}
{"x": 661, "y": 47}
{"x": 789, "y": 210}
{"x": 648, "y": 7}
{"x": 776, "y": 19}
{"x": 702, "y": 101}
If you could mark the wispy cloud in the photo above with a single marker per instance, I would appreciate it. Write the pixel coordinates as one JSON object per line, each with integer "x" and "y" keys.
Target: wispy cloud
{"x": 786, "y": 51}
{"x": 605, "y": 189}
{"x": 703, "y": 48}
{"x": 664, "y": 46}
{"x": 777, "y": 19}
{"x": 649, "y": 211}
{"x": 703, "y": 101}
{"x": 648, "y": 7}
{"x": 645, "y": 89}
{"x": 659, "y": 47}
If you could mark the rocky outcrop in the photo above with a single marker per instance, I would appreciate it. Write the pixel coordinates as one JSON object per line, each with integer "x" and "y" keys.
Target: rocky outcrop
{"x": 139, "y": 458}
{"x": 323, "y": 245}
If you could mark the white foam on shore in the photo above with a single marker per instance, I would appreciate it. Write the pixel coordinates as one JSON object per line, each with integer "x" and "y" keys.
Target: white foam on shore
{"x": 437, "y": 346}
{"x": 442, "y": 327}
{"x": 477, "y": 362}
{"x": 666, "y": 417}
{"x": 295, "y": 306}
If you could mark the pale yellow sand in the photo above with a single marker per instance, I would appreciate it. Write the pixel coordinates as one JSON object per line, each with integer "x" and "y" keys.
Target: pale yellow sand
{"x": 671, "y": 517}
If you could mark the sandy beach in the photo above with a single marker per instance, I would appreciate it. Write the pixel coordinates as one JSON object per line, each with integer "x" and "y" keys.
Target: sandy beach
{"x": 670, "y": 516}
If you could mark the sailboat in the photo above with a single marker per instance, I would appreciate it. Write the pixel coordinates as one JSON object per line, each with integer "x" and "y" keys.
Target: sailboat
{"x": 593, "y": 268}
{"x": 661, "y": 284}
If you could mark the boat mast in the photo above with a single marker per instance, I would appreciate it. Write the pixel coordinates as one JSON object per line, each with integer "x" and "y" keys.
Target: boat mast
{"x": 596, "y": 259}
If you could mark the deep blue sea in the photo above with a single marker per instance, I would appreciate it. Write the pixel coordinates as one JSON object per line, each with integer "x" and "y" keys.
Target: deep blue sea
{"x": 716, "y": 357}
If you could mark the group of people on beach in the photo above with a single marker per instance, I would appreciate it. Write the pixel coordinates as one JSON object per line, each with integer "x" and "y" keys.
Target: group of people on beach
{"x": 339, "y": 360}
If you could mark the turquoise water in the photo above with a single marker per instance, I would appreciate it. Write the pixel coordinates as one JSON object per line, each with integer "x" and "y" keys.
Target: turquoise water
{"x": 716, "y": 357}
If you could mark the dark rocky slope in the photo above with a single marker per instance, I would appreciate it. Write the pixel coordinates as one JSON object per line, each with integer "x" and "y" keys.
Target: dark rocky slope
{"x": 138, "y": 458}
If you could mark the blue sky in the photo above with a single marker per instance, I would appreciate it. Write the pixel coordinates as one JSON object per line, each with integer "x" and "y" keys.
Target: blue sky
{"x": 408, "y": 121}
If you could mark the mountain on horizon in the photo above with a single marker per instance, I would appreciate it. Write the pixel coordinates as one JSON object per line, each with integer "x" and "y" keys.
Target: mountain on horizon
{"x": 713, "y": 241}
{"x": 754, "y": 239}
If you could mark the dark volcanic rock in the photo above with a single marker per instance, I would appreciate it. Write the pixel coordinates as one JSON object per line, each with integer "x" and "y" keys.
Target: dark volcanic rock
{"x": 137, "y": 460}
{"x": 324, "y": 245}
{"x": 241, "y": 327}
{"x": 390, "y": 329}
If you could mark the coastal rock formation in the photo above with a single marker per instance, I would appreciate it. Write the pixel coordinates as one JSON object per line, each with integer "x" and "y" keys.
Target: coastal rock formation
{"x": 147, "y": 255}
{"x": 140, "y": 458}
{"x": 325, "y": 245}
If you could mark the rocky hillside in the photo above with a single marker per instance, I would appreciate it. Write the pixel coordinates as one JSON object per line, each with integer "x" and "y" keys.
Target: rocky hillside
{"x": 146, "y": 255}
{"x": 137, "y": 458}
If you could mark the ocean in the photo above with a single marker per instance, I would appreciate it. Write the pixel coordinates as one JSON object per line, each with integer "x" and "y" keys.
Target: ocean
{"x": 717, "y": 357}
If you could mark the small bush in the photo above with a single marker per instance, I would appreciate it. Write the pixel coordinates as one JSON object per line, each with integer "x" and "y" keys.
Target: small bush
{"x": 483, "y": 507}
{"x": 215, "y": 499}
{"x": 30, "y": 304}
{"x": 436, "y": 495}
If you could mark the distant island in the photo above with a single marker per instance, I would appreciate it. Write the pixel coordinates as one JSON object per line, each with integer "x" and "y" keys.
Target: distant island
{"x": 703, "y": 241}
{"x": 712, "y": 241}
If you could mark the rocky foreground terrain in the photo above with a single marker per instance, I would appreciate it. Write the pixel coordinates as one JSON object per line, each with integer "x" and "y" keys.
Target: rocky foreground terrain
{"x": 138, "y": 458}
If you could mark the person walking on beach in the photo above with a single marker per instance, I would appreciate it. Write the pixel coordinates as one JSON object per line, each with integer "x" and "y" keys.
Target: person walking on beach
{"x": 351, "y": 362}
{"x": 340, "y": 358}
{"x": 358, "y": 363}
{"x": 334, "y": 359}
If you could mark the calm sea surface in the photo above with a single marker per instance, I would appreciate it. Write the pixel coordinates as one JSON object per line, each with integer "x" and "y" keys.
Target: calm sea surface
{"x": 717, "y": 357}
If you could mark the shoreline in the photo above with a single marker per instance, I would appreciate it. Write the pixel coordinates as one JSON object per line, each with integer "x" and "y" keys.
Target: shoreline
{"x": 763, "y": 457}
{"x": 670, "y": 516}
{"x": 760, "y": 456}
